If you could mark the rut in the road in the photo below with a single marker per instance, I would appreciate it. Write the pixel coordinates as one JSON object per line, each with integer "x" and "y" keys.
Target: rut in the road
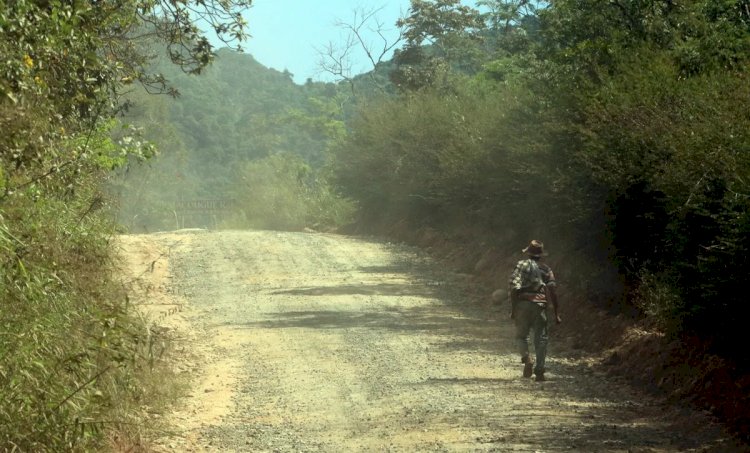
{"x": 315, "y": 342}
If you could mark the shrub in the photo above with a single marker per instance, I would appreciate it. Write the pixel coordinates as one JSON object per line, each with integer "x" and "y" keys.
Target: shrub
{"x": 70, "y": 348}
{"x": 283, "y": 192}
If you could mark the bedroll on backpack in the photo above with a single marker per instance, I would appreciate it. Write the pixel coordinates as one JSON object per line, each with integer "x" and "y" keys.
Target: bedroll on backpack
{"x": 532, "y": 280}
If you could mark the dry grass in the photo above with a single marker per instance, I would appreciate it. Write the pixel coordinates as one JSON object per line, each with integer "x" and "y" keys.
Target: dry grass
{"x": 76, "y": 363}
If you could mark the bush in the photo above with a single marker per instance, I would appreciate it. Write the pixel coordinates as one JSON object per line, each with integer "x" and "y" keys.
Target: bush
{"x": 72, "y": 352}
{"x": 282, "y": 192}
{"x": 70, "y": 349}
{"x": 672, "y": 153}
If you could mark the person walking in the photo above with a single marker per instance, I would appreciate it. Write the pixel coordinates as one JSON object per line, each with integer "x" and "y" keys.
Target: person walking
{"x": 532, "y": 287}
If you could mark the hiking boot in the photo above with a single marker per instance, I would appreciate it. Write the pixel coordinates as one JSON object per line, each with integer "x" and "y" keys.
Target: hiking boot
{"x": 528, "y": 367}
{"x": 540, "y": 377}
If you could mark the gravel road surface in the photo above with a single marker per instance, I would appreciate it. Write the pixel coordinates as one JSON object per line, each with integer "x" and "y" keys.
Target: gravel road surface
{"x": 317, "y": 342}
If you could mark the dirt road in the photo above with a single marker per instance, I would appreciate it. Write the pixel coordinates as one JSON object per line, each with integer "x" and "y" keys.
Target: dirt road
{"x": 315, "y": 342}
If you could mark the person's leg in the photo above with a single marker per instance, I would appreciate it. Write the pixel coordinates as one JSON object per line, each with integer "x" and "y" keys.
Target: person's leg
{"x": 541, "y": 337}
{"x": 524, "y": 321}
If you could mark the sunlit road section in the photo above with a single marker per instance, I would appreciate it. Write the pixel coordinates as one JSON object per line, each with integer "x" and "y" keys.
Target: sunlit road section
{"x": 317, "y": 342}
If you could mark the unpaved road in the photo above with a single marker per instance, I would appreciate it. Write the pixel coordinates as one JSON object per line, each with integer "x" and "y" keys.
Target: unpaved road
{"x": 315, "y": 342}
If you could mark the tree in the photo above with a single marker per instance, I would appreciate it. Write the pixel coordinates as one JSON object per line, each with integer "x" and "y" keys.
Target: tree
{"x": 439, "y": 35}
{"x": 512, "y": 25}
{"x": 336, "y": 60}
{"x": 656, "y": 123}
{"x": 73, "y": 350}
{"x": 69, "y": 62}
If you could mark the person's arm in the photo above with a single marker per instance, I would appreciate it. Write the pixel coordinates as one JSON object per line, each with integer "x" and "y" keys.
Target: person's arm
{"x": 513, "y": 297}
{"x": 514, "y": 284}
{"x": 550, "y": 290}
{"x": 552, "y": 294}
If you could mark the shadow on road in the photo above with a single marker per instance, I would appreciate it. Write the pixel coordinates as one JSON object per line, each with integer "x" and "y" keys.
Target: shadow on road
{"x": 401, "y": 319}
{"x": 590, "y": 412}
{"x": 380, "y": 289}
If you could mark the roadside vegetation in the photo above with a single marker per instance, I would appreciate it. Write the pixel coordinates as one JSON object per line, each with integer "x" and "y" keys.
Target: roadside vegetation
{"x": 624, "y": 126}
{"x": 76, "y": 361}
{"x": 619, "y": 131}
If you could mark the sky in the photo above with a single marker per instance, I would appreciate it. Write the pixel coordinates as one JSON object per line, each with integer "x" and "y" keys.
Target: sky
{"x": 286, "y": 33}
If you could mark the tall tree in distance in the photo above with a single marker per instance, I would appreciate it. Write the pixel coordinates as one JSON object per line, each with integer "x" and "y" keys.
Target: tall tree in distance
{"x": 439, "y": 35}
{"x": 365, "y": 34}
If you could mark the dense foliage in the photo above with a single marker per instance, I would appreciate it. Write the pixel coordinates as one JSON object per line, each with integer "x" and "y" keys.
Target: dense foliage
{"x": 620, "y": 128}
{"x": 72, "y": 354}
{"x": 238, "y": 133}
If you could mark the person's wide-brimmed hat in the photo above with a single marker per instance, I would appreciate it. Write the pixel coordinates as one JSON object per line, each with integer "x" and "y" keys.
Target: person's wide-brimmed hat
{"x": 535, "y": 249}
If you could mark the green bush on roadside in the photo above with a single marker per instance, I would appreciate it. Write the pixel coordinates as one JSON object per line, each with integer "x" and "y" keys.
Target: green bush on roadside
{"x": 283, "y": 192}
{"x": 71, "y": 352}
{"x": 74, "y": 356}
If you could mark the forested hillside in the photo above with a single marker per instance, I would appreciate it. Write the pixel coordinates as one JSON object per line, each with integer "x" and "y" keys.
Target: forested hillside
{"x": 239, "y": 132}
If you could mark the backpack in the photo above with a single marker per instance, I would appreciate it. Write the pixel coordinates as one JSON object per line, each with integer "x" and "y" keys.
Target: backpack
{"x": 532, "y": 281}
